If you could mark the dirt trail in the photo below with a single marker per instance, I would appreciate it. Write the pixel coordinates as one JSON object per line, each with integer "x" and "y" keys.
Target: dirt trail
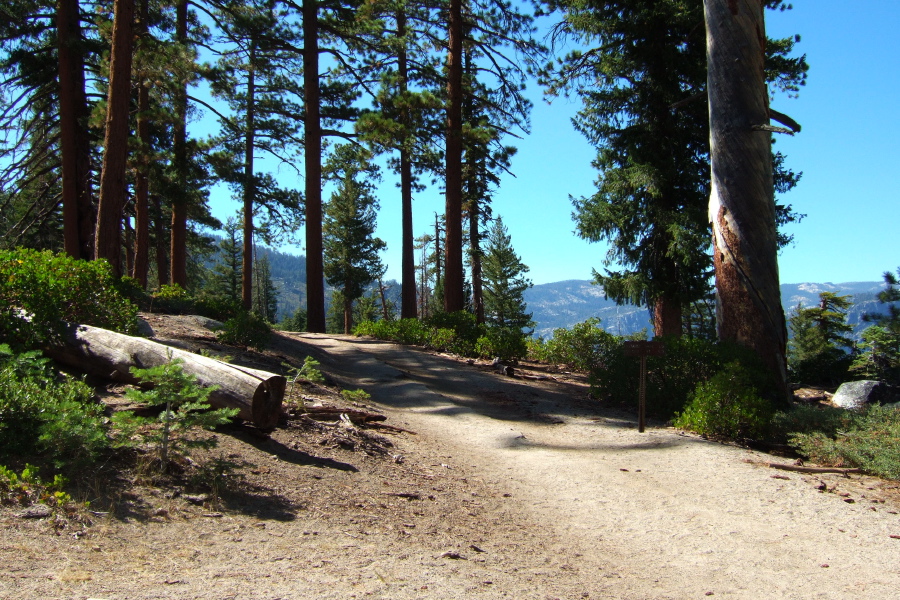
{"x": 512, "y": 488}
{"x": 663, "y": 514}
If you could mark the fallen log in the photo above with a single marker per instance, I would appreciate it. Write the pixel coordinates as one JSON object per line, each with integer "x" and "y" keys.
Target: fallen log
{"x": 256, "y": 394}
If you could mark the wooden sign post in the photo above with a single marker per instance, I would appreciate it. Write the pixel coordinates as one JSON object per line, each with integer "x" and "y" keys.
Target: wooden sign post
{"x": 642, "y": 350}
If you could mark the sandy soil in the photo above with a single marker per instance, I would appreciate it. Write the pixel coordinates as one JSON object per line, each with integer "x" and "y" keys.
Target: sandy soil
{"x": 510, "y": 488}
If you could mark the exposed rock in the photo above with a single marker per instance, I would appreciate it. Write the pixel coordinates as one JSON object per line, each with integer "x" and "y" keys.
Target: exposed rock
{"x": 144, "y": 329}
{"x": 207, "y": 323}
{"x": 38, "y": 511}
{"x": 856, "y": 394}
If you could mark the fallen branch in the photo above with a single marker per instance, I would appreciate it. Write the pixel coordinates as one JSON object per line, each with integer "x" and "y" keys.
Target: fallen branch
{"x": 333, "y": 413}
{"x": 800, "y": 469}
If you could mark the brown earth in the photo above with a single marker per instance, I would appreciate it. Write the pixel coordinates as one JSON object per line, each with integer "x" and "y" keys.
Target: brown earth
{"x": 501, "y": 487}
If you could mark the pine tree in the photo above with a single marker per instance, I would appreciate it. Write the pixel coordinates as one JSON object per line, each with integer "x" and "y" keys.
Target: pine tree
{"x": 226, "y": 279}
{"x": 820, "y": 349}
{"x": 504, "y": 282}
{"x": 351, "y": 253}
{"x": 642, "y": 82}
{"x": 265, "y": 294}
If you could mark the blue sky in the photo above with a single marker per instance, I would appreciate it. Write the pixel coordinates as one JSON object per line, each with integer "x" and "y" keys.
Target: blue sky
{"x": 848, "y": 151}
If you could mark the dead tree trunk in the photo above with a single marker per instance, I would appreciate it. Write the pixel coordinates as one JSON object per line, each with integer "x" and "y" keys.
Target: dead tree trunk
{"x": 742, "y": 204}
{"x": 256, "y": 394}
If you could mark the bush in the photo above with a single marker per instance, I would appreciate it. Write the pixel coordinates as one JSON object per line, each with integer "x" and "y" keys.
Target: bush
{"x": 217, "y": 307}
{"x": 582, "y": 348}
{"x": 728, "y": 406}
{"x": 503, "y": 342}
{"x": 53, "y": 288}
{"x": 172, "y": 299}
{"x": 868, "y": 440}
{"x": 246, "y": 329}
{"x": 40, "y": 416}
{"x": 673, "y": 377}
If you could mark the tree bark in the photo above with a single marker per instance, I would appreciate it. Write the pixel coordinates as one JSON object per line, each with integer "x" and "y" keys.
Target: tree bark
{"x": 454, "y": 300}
{"x": 256, "y": 394}
{"x": 475, "y": 259}
{"x": 408, "y": 264}
{"x": 667, "y": 317}
{"x": 315, "y": 283}
{"x": 162, "y": 250}
{"x": 142, "y": 179}
{"x": 78, "y": 211}
{"x": 249, "y": 187}
{"x": 742, "y": 205}
{"x": 113, "y": 185}
{"x": 178, "y": 242}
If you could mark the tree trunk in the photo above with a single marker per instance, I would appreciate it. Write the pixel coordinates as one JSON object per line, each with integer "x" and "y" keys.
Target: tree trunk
{"x": 162, "y": 254}
{"x": 113, "y": 185}
{"x": 257, "y": 394}
{"x": 78, "y": 212}
{"x": 667, "y": 317}
{"x": 742, "y": 205}
{"x": 475, "y": 258}
{"x": 408, "y": 264}
{"x": 315, "y": 283}
{"x": 348, "y": 314}
{"x": 178, "y": 247}
{"x": 249, "y": 185}
{"x": 142, "y": 179}
{"x": 454, "y": 300}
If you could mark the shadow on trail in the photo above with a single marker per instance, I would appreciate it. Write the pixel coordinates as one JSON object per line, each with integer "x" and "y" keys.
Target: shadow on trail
{"x": 410, "y": 378}
{"x": 290, "y": 455}
{"x": 523, "y": 443}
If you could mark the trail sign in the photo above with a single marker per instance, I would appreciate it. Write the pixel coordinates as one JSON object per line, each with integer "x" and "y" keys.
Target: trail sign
{"x": 642, "y": 350}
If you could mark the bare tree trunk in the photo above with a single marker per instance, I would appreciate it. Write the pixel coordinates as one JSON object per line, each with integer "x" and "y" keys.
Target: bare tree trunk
{"x": 142, "y": 180}
{"x": 315, "y": 285}
{"x": 162, "y": 250}
{"x": 454, "y": 300}
{"x": 742, "y": 205}
{"x": 475, "y": 259}
{"x": 78, "y": 212}
{"x": 667, "y": 317}
{"x": 113, "y": 185}
{"x": 408, "y": 265}
{"x": 178, "y": 248}
{"x": 249, "y": 185}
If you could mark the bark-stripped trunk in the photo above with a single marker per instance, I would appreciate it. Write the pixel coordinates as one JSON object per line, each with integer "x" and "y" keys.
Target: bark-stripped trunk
{"x": 78, "y": 212}
{"x": 142, "y": 179}
{"x": 113, "y": 185}
{"x": 454, "y": 300}
{"x": 178, "y": 247}
{"x": 742, "y": 205}
{"x": 312, "y": 137}
{"x": 408, "y": 264}
{"x": 249, "y": 185}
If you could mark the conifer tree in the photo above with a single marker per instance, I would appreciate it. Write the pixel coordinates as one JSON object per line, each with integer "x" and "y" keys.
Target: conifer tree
{"x": 642, "y": 81}
{"x": 265, "y": 294}
{"x": 504, "y": 282}
{"x": 351, "y": 253}
{"x": 820, "y": 349}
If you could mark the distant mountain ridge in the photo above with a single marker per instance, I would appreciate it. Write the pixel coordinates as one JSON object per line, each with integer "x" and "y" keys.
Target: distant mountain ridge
{"x": 565, "y": 303}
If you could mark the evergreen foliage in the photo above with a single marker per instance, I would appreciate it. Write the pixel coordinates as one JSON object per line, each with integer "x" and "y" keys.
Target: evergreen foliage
{"x": 820, "y": 350}
{"x": 505, "y": 282}
{"x": 351, "y": 252}
{"x": 880, "y": 356}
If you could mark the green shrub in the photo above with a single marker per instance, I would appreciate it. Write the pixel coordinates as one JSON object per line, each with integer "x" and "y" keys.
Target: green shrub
{"x": 296, "y": 322}
{"x": 216, "y": 307}
{"x": 40, "y": 416}
{"x": 172, "y": 299}
{"x": 356, "y": 395}
{"x": 246, "y": 329}
{"x": 868, "y": 440}
{"x": 583, "y": 347}
{"x": 673, "y": 377}
{"x": 185, "y": 407}
{"x": 505, "y": 343}
{"x": 51, "y": 288}
{"x": 27, "y": 488}
{"x": 728, "y": 406}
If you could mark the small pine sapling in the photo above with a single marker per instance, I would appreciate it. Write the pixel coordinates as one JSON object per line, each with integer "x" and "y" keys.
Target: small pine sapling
{"x": 186, "y": 407}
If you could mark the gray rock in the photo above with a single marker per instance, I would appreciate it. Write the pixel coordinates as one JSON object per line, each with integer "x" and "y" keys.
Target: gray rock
{"x": 207, "y": 323}
{"x": 144, "y": 329}
{"x": 856, "y": 394}
{"x": 38, "y": 511}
